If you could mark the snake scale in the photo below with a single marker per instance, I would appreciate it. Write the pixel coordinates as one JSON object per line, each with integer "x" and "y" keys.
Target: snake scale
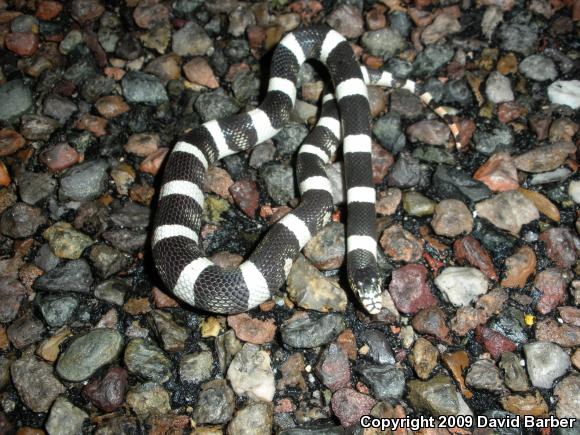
{"x": 176, "y": 245}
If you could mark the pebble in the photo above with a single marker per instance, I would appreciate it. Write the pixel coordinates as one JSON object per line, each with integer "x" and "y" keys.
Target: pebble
{"x": 545, "y": 362}
{"x": 498, "y": 88}
{"x": 84, "y": 182}
{"x": 423, "y": 358}
{"x": 539, "y": 68}
{"x": 60, "y": 157}
{"x": 461, "y": 285}
{"x": 290, "y": 138}
{"x": 35, "y": 187}
{"x": 291, "y": 373}
{"x": 108, "y": 392}
{"x": 431, "y": 320}
{"x": 252, "y": 330}
{"x": 564, "y": 335}
{"x": 534, "y": 405}
{"x": 196, "y": 367}
{"x": 88, "y": 353}
{"x": 253, "y": 419}
{"x": 388, "y": 131}
{"x": 544, "y": 158}
{"x": 59, "y": 108}
{"x": 279, "y": 180}
{"x": 350, "y": 405}
{"x": 86, "y": 10}
{"x": 215, "y": 105}
{"x": 144, "y": 359}
{"x": 10, "y": 141}
{"x": 198, "y": 71}
{"x": 346, "y": 20}
{"x": 142, "y": 144}
{"x": 560, "y": 244}
{"x": 494, "y": 342}
{"x": 111, "y": 106}
{"x": 568, "y": 399}
{"x": 65, "y": 241}
{"x": 457, "y": 362}
{"x": 484, "y": 375}
{"x": 514, "y": 374}
{"x": 333, "y": 368}
{"x": 405, "y": 173}
{"x": 385, "y": 42}
{"x": 65, "y": 418}
{"x": 47, "y": 10}
{"x": 388, "y": 201}
{"x": 192, "y": 40}
{"x": 565, "y": 92}
{"x": 410, "y": 289}
{"x": 70, "y": 276}
{"x": 326, "y": 249}
{"x": 457, "y": 184}
{"x": 107, "y": 260}
{"x": 431, "y": 59}
{"x": 517, "y": 37}
{"x": 400, "y": 245}
{"x": 469, "y": 250}
{"x": 417, "y": 204}
{"x": 16, "y": 98}
{"x": 12, "y": 293}
{"x": 148, "y": 398}
{"x": 498, "y": 173}
{"x": 429, "y": 132}
{"x": 310, "y": 330}
{"x": 57, "y": 310}
{"x": 173, "y": 336}
{"x": 574, "y": 191}
{"x": 382, "y": 160}
{"x": 379, "y": 349}
{"x": 140, "y": 87}
{"x": 21, "y": 220}
{"x": 35, "y": 382}
{"x": 508, "y": 211}
{"x": 215, "y": 404}
{"x": 166, "y": 67}
{"x": 497, "y": 139}
{"x": 451, "y": 218}
{"x": 251, "y": 374}
{"x": 443, "y": 25}
{"x": 25, "y": 330}
{"x": 556, "y": 176}
{"x": 552, "y": 287}
{"x": 436, "y": 396}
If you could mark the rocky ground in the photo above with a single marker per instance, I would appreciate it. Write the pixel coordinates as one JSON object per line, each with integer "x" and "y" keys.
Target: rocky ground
{"x": 480, "y": 247}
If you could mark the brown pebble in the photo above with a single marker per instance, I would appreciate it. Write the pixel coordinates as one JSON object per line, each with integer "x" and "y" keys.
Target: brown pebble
{"x": 431, "y": 320}
{"x": 218, "y": 181}
{"x": 93, "y": 124}
{"x": 163, "y": 300}
{"x": 423, "y": 358}
{"x": 136, "y": 306}
{"x": 388, "y": 201}
{"x": 451, "y": 218}
{"x": 86, "y": 10}
{"x": 4, "y": 176}
{"x": 59, "y": 157}
{"x": 256, "y": 36}
{"x": 21, "y": 43}
{"x": 246, "y": 196}
{"x": 400, "y": 245}
{"x": 552, "y": 286}
{"x": 519, "y": 267}
{"x": 142, "y": 144}
{"x": 457, "y": 362}
{"x": 347, "y": 342}
{"x": 111, "y": 106}
{"x": 198, "y": 71}
{"x": 47, "y": 10}
{"x": 153, "y": 161}
{"x": 469, "y": 250}
{"x": 252, "y": 330}
{"x": 10, "y": 141}
{"x": 382, "y": 161}
{"x": 498, "y": 173}
{"x": 543, "y": 204}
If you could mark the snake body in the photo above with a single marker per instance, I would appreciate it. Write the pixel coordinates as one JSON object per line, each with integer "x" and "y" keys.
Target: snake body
{"x": 176, "y": 245}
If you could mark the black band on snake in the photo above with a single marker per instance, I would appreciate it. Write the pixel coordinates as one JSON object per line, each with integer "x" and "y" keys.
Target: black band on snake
{"x": 177, "y": 250}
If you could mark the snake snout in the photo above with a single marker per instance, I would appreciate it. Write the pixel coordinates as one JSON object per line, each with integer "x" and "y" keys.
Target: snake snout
{"x": 368, "y": 289}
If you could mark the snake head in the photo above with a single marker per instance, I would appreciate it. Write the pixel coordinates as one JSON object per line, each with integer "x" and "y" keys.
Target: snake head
{"x": 367, "y": 287}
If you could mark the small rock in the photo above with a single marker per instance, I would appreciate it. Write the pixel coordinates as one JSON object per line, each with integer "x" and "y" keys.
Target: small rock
{"x": 326, "y": 249}
{"x": 514, "y": 374}
{"x": 86, "y": 10}
{"x": 59, "y": 108}
{"x": 519, "y": 267}
{"x": 74, "y": 276}
{"x": 401, "y": 245}
{"x": 350, "y": 405}
{"x": 405, "y": 173}
{"x": 108, "y": 393}
{"x": 461, "y": 285}
{"x": 386, "y": 381}
{"x": 10, "y": 141}
{"x": 311, "y": 331}
{"x": 436, "y": 396}
{"x": 544, "y": 158}
{"x": 560, "y": 246}
{"x": 567, "y": 396}
{"x": 253, "y": 419}
{"x": 552, "y": 287}
{"x": 457, "y": 184}
{"x": 520, "y": 38}
{"x": 429, "y": 132}
{"x": 173, "y": 336}
{"x": 423, "y": 358}
{"x": 192, "y": 40}
{"x": 498, "y": 173}
{"x": 469, "y": 250}
{"x": 65, "y": 241}
{"x": 12, "y": 293}
{"x": 443, "y": 25}
{"x": 410, "y": 289}
{"x": 142, "y": 144}
{"x": 16, "y": 100}
{"x": 382, "y": 161}
{"x": 279, "y": 180}
{"x": 111, "y": 106}
{"x": 215, "y": 404}
{"x": 198, "y": 71}
{"x": 21, "y": 220}
{"x": 490, "y": 141}
{"x": 508, "y": 211}
{"x": 250, "y": 374}
{"x": 56, "y": 309}
{"x": 457, "y": 362}
{"x": 252, "y": 330}
{"x": 566, "y": 92}
{"x": 543, "y": 204}
{"x": 333, "y": 368}
{"x": 196, "y": 367}
{"x": 140, "y": 87}
{"x": 417, "y": 204}
{"x": 148, "y": 399}
{"x": 539, "y": 68}
{"x": 534, "y": 405}
{"x": 431, "y": 320}
{"x": 60, "y": 157}
{"x": 25, "y": 330}
{"x": 498, "y": 88}
{"x": 546, "y": 362}
{"x": 107, "y": 260}
{"x": 384, "y": 42}
{"x": 346, "y": 20}
{"x": 451, "y": 218}
{"x": 35, "y": 382}
{"x": 494, "y": 342}
{"x": 87, "y": 353}
{"x": 146, "y": 360}
{"x": 564, "y": 335}
{"x": 65, "y": 418}
{"x": 388, "y": 131}
{"x": 34, "y": 187}
{"x": 84, "y": 182}
{"x": 484, "y": 375}
{"x": 379, "y": 349}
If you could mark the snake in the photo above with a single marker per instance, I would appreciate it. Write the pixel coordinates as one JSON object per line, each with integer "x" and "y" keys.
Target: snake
{"x": 344, "y": 116}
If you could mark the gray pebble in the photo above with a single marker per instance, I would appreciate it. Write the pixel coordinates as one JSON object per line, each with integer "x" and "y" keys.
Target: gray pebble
{"x": 84, "y": 182}
{"x": 65, "y": 418}
{"x": 56, "y": 309}
{"x": 140, "y": 87}
{"x": 146, "y": 360}
{"x": 545, "y": 361}
{"x": 16, "y": 100}
{"x": 72, "y": 276}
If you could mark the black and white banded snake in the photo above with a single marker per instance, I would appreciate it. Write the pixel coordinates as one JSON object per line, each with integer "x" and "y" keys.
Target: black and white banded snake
{"x": 177, "y": 253}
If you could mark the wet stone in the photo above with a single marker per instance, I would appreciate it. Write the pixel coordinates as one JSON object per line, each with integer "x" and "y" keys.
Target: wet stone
{"x": 111, "y": 106}
{"x": 139, "y": 87}
{"x": 484, "y": 375}
{"x": 107, "y": 260}
{"x": 451, "y": 218}
{"x": 252, "y": 330}
{"x": 545, "y": 362}
{"x": 513, "y": 373}
{"x": 74, "y": 276}
{"x": 250, "y": 374}
{"x": 350, "y": 405}
{"x": 410, "y": 289}
{"x": 57, "y": 310}
{"x": 469, "y": 250}
{"x": 253, "y": 419}
{"x": 405, "y": 173}
{"x": 508, "y": 211}
{"x": 379, "y": 349}
{"x": 65, "y": 241}
{"x": 108, "y": 392}
{"x": 144, "y": 359}
{"x": 126, "y": 240}
{"x": 87, "y": 353}
{"x": 560, "y": 246}
{"x": 333, "y": 368}
{"x": 556, "y": 176}
{"x": 457, "y": 184}
{"x": 38, "y": 127}
{"x": 311, "y": 331}
{"x": 86, "y": 10}
{"x": 431, "y": 320}
{"x": 510, "y": 322}
{"x": 148, "y": 398}
{"x": 461, "y": 285}
{"x": 84, "y": 182}
{"x": 401, "y": 245}
{"x": 59, "y": 108}
{"x": 534, "y": 405}
{"x": 35, "y": 187}
{"x": 436, "y": 396}
{"x": 216, "y": 403}
{"x": 497, "y": 139}
{"x": 196, "y": 367}
{"x": 16, "y": 100}
{"x": 173, "y": 336}
{"x": 59, "y": 157}
{"x": 498, "y": 88}
{"x": 539, "y": 68}
{"x": 21, "y": 220}
{"x": 35, "y": 383}
{"x": 65, "y": 418}
{"x": 25, "y": 331}
{"x": 498, "y": 173}
{"x": 494, "y": 342}
{"x": 544, "y": 158}
{"x": 326, "y": 249}
{"x": 423, "y": 358}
